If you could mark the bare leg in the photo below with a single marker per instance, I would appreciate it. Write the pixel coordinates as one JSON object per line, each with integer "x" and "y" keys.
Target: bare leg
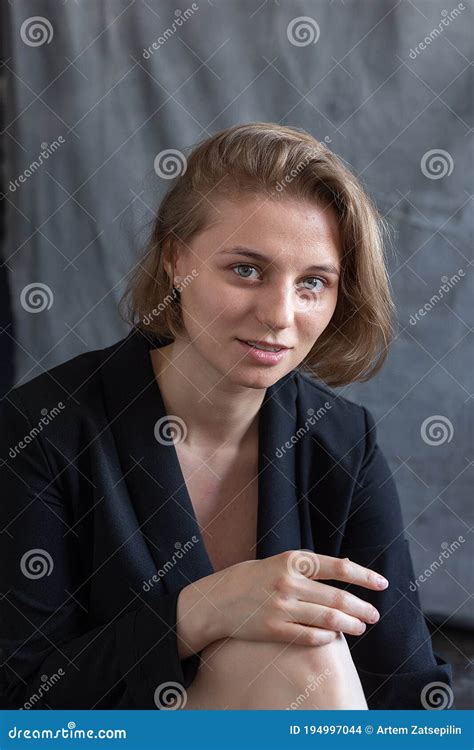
{"x": 236, "y": 674}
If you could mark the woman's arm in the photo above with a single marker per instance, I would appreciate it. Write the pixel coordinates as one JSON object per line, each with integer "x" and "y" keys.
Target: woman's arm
{"x": 394, "y": 657}
{"x": 47, "y": 634}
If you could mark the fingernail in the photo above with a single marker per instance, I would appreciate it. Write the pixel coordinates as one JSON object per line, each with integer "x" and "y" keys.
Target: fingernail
{"x": 362, "y": 628}
{"x": 375, "y": 616}
{"x": 382, "y": 582}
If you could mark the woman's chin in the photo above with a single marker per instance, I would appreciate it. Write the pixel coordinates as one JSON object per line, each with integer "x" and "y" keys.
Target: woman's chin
{"x": 254, "y": 377}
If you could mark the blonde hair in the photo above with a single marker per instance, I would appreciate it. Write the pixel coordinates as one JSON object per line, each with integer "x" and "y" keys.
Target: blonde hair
{"x": 268, "y": 159}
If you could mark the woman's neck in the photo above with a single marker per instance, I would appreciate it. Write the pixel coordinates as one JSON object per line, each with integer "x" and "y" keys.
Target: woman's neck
{"x": 214, "y": 417}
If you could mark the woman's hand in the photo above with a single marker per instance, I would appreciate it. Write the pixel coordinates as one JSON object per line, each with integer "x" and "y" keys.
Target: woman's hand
{"x": 281, "y": 599}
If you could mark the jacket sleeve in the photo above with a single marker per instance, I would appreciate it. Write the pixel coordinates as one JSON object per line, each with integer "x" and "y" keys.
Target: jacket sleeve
{"x": 49, "y": 657}
{"x": 394, "y": 657}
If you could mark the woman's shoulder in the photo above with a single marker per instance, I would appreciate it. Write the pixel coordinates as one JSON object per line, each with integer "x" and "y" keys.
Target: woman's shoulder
{"x": 342, "y": 428}
{"x": 75, "y": 383}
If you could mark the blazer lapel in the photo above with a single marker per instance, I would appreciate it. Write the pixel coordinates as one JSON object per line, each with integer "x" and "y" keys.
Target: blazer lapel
{"x": 278, "y": 527}
{"x": 165, "y": 520}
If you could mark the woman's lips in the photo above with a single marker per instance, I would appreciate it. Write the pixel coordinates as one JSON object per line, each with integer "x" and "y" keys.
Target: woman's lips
{"x": 260, "y": 356}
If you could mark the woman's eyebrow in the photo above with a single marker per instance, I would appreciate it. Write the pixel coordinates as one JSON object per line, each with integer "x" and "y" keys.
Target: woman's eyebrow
{"x": 255, "y": 255}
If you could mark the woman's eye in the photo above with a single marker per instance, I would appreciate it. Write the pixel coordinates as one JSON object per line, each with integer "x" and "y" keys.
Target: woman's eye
{"x": 316, "y": 278}
{"x": 243, "y": 265}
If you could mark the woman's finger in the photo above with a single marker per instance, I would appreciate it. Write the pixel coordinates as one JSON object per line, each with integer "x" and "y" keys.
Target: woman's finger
{"x": 316, "y": 592}
{"x": 304, "y": 635}
{"x": 315, "y": 566}
{"x": 326, "y": 617}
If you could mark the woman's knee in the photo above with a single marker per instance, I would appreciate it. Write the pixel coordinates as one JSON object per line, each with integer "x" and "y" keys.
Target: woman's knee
{"x": 241, "y": 659}
{"x": 277, "y": 675}
{"x": 296, "y": 662}
{"x": 242, "y": 674}
{"x": 334, "y": 668}
{"x": 323, "y": 677}
{"x": 334, "y": 656}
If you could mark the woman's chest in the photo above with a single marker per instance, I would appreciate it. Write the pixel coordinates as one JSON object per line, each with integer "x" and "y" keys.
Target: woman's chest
{"x": 224, "y": 494}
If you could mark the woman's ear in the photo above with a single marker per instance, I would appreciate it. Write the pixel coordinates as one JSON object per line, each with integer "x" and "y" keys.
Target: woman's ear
{"x": 171, "y": 253}
{"x": 180, "y": 259}
{"x": 168, "y": 260}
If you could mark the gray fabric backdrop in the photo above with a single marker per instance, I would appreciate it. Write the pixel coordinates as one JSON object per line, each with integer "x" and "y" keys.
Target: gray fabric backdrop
{"x": 82, "y": 89}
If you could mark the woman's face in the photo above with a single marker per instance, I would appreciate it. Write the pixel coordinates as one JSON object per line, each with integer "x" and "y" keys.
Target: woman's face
{"x": 276, "y": 295}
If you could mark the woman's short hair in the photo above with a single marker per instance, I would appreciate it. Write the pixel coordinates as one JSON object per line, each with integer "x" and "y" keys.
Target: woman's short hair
{"x": 278, "y": 162}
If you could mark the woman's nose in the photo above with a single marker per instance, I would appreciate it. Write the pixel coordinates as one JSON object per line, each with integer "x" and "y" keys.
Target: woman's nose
{"x": 276, "y": 306}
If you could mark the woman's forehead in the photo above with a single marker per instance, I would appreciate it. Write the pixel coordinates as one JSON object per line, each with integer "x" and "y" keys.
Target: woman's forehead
{"x": 298, "y": 230}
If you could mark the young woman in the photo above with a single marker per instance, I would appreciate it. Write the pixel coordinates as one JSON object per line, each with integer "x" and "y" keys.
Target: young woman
{"x": 200, "y": 521}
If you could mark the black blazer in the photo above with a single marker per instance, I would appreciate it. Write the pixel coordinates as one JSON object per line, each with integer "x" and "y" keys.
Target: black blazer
{"x": 85, "y": 482}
